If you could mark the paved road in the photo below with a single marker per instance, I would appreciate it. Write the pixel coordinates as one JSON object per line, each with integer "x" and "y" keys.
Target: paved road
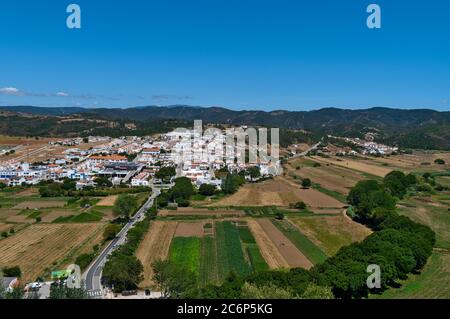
{"x": 93, "y": 274}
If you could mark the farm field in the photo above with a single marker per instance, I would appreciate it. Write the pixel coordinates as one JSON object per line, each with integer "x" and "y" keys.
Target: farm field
{"x": 25, "y": 205}
{"x": 307, "y": 247}
{"x": 277, "y": 192}
{"x": 42, "y": 248}
{"x": 357, "y": 165}
{"x": 204, "y": 212}
{"x": 287, "y": 249}
{"x": 334, "y": 178}
{"x": 416, "y": 162}
{"x": 432, "y": 283}
{"x": 155, "y": 246}
{"x": 431, "y": 211}
{"x": 330, "y": 233}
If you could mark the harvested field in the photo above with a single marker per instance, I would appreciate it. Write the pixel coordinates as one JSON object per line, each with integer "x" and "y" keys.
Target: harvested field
{"x": 286, "y": 248}
{"x": 5, "y": 227}
{"x": 40, "y": 204}
{"x": 277, "y": 192}
{"x": 268, "y": 250}
{"x": 360, "y": 166}
{"x": 155, "y": 246}
{"x": 28, "y": 192}
{"x": 38, "y": 248}
{"x": 107, "y": 201}
{"x": 338, "y": 179}
{"x": 187, "y": 211}
{"x": 20, "y": 219}
{"x": 190, "y": 229}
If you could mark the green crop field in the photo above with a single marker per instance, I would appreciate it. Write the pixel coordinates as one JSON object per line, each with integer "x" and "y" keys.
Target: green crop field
{"x": 229, "y": 250}
{"x": 185, "y": 252}
{"x": 306, "y": 246}
{"x": 233, "y": 248}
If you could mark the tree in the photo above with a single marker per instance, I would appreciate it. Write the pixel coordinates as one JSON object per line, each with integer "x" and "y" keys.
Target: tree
{"x": 183, "y": 188}
{"x": 268, "y": 291}
{"x": 166, "y": 174}
{"x": 231, "y": 183}
{"x": 123, "y": 272}
{"x": 207, "y": 189}
{"x": 2, "y": 185}
{"x": 279, "y": 216}
{"x": 306, "y": 183}
{"x": 103, "y": 181}
{"x": 14, "y": 271}
{"x": 59, "y": 290}
{"x": 314, "y": 291}
{"x": 111, "y": 231}
{"x": 38, "y": 219}
{"x": 439, "y": 161}
{"x": 125, "y": 205}
{"x": 173, "y": 281}
{"x": 254, "y": 172}
{"x": 300, "y": 205}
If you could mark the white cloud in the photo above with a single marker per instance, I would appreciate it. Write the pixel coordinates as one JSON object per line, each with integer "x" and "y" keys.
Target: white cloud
{"x": 62, "y": 94}
{"x": 10, "y": 91}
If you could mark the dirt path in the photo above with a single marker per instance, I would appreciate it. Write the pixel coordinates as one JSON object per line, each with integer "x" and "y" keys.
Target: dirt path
{"x": 286, "y": 248}
{"x": 267, "y": 248}
{"x": 155, "y": 246}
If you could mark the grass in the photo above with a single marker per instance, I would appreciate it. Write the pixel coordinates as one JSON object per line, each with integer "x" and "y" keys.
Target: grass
{"x": 256, "y": 260}
{"x": 306, "y": 246}
{"x": 185, "y": 252}
{"x": 336, "y": 195}
{"x": 435, "y": 214}
{"x": 432, "y": 283}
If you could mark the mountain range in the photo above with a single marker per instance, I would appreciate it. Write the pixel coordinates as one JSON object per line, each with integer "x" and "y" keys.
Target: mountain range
{"x": 417, "y": 128}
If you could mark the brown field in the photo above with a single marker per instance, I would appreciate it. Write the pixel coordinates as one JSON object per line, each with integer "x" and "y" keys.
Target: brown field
{"x": 330, "y": 233}
{"x": 38, "y": 248}
{"x": 277, "y": 192}
{"x": 108, "y": 201}
{"x": 267, "y": 248}
{"x": 5, "y": 227}
{"x": 20, "y": 219}
{"x": 331, "y": 177}
{"x": 357, "y": 165}
{"x": 194, "y": 229}
{"x": 154, "y": 246}
{"x": 187, "y": 211}
{"x": 286, "y": 248}
{"x": 411, "y": 162}
{"x": 40, "y": 204}
{"x": 28, "y": 192}
{"x": 6, "y": 213}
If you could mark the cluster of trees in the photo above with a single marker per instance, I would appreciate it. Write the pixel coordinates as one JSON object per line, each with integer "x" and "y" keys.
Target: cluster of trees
{"x": 54, "y": 189}
{"x": 180, "y": 193}
{"x": 231, "y": 183}
{"x": 125, "y": 206}
{"x": 166, "y": 173}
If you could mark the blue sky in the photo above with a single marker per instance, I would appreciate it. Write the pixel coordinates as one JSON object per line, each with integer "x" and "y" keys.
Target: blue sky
{"x": 240, "y": 54}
